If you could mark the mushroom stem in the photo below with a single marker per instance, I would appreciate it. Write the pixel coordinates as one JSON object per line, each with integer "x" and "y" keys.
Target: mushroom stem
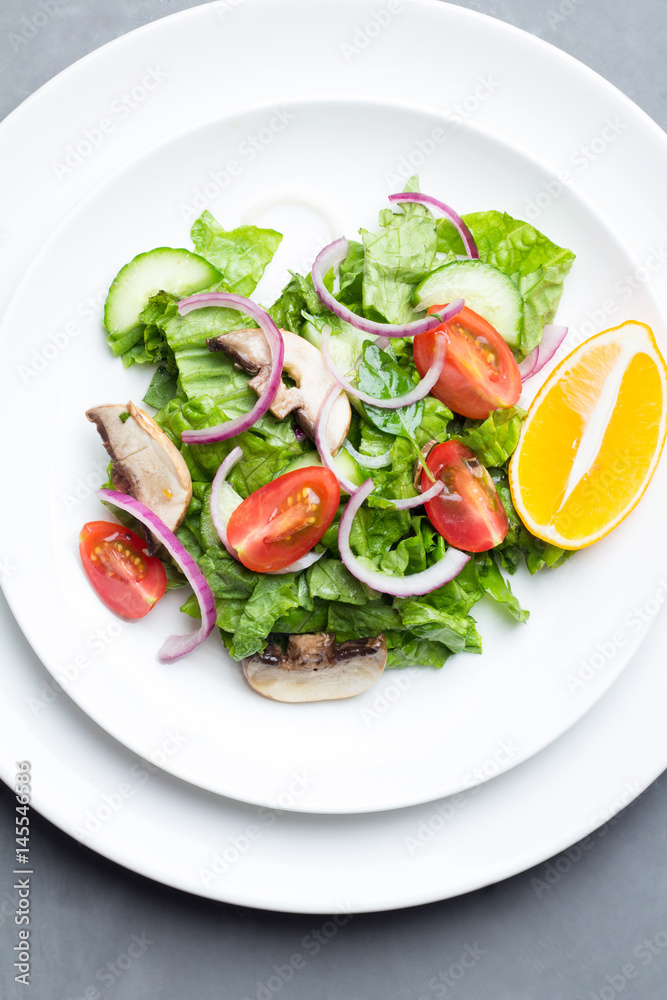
{"x": 304, "y": 364}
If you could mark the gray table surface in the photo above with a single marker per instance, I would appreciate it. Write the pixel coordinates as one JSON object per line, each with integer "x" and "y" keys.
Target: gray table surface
{"x": 571, "y": 943}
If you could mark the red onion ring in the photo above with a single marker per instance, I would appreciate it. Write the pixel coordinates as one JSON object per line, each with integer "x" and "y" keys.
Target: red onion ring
{"x": 303, "y": 563}
{"x": 422, "y": 388}
{"x": 552, "y": 337}
{"x": 176, "y": 645}
{"x": 431, "y": 493}
{"x": 410, "y": 586}
{"x": 368, "y": 461}
{"x": 334, "y": 254}
{"x": 219, "y": 480}
{"x": 321, "y": 440}
{"x": 449, "y": 213}
{"x": 221, "y": 432}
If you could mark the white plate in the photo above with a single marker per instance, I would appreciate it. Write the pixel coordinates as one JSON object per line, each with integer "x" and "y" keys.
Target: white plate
{"x": 134, "y": 813}
{"x": 441, "y": 735}
{"x": 446, "y": 725}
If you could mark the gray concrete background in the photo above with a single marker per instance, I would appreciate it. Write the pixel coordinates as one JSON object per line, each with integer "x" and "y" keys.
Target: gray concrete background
{"x": 606, "y": 911}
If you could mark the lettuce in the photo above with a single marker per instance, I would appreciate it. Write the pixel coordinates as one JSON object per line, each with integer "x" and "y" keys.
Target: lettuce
{"x": 296, "y": 298}
{"x": 330, "y": 580}
{"x": 272, "y": 597}
{"x": 382, "y": 377}
{"x": 240, "y": 255}
{"x": 494, "y": 439}
{"x": 195, "y": 388}
{"x": 395, "y": 259}
{"x": 536, "y": 265}
{"x": 268, "y": 448}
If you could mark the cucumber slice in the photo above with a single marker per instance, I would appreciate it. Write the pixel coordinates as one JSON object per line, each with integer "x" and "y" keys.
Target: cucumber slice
{"x": 344, "y": 461}
{"x": 486, "y": 290}
{"x": 180, "y": 272}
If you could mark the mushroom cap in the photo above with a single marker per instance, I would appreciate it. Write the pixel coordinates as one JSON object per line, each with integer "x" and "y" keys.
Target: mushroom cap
{"x": 316, "y": 668}
{"x": 303, "y": 363}
{"x": 146, "y": 463}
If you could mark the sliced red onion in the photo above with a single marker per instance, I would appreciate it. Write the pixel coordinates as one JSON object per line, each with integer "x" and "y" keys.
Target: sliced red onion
{"x": 552, "y": 337}
{"x": 417, "y": 501}
{"x": 321, "y": 441}
{"x": 303, "y": 563}
{"x": 217, "y": 486}
{"x": 422, "y": 388}
{"x": 368, "y": 461}
{"x": 176, "y": 645}
{"x": 221, "y": 432}
{"x": 454, "y": 217}
{"x": 334, "y": 254}
{"x": 410, "y": 586}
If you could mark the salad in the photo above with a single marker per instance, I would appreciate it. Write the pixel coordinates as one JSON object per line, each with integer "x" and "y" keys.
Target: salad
{"x": 328, "y": 474}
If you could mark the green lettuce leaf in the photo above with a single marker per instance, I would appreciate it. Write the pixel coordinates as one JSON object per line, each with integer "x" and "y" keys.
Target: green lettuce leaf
{"x": 300, "y": 621}
{"x": 268, "y": 448}
{"x": 273, "y": 597}
{"x": 411, "y": 651}
{"x": 458, "y": 633}
{"x": 381, "y": 376}
{"x": 163, "y": 388}
{"x": 536, "y": 265}
{"x": 395, "y": 259}
{"x": 351, "y": 278}
{"x": 241, "y": 254}
{"x": 330, "y": 580}
{"x": 349, "y": 621}
{"x": 435, "y": 422}
{"x": 497, "y": 587}
{"x": 297, "y": 297}
{"x": 494, "y": 439}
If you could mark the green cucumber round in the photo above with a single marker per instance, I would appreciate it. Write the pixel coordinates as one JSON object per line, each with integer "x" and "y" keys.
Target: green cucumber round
{"x": 180, "y": 272}
{"x": 486, "y": 290}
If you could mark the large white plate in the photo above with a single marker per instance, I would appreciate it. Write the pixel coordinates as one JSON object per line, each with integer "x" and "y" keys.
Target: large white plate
{"x": 446, "y": 730}
{"x": 134, "y": 813}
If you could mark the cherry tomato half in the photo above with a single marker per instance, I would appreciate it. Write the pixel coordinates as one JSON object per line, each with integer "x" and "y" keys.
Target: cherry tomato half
{"x": 469, "y": 513}
{"x": 125, "y": 578}
{"x": 479, "y": 374}
{"x": 283, "y": 520}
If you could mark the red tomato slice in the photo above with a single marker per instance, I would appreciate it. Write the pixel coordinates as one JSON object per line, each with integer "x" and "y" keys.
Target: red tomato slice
{"x": 479, "y": 374}
{"x": 125, "y": 578}
{"x": 283, "y": 520}
{"x": 469, "y": 513}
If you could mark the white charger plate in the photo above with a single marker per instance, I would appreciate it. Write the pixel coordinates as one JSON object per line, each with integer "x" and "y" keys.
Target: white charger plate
{"x": 453, "y": 725}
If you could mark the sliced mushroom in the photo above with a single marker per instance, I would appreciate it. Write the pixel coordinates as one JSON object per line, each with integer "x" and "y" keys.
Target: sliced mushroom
{"x": 146, "y": 464}
{"x": 303, "y": 363}
{"x": 316, "y": 668}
